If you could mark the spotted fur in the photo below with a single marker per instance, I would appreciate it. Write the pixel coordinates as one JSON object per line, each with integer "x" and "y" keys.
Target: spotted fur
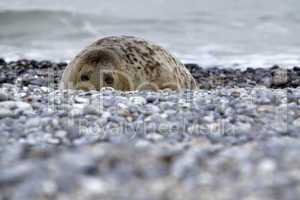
{"x": 126, "y": 63}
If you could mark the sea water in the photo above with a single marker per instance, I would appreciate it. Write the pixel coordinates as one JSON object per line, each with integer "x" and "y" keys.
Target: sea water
{"x": 228, "y": 33}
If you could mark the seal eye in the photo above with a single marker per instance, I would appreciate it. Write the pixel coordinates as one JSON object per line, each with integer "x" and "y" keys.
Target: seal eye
{"x": 108, "y": 79}
{"x": 84, "y": 77}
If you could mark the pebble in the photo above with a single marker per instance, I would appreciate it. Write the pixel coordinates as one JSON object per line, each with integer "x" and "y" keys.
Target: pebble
{"x": 61, "y": 134}
{"x": 4, "y": 97}
{"x": 8, "y": 104}
{"x": 15, "y": 174}
{"x": 6, "y": 113}
{"x": 236, "y": 94}
{"x": 154, "y": 137}
{"x": 2, "y": 61}
{"x": 138, "y": 100}
{"x": 267, "y": 166}
{"x": 81, "y": 100}
{"x": 76, "y": 112}
{"x": 93, "y": 109}
{"x": 296, "y": 122}
{"x": 23, "y": 105}
{"x": 280, "y": 77}
{"x": 14, "y": 108}
{"x": 152, "y": 98}
{"x": 266, "y": 108}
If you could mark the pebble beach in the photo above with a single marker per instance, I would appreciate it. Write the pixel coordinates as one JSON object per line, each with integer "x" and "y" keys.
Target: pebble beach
{"x": 237, "y": 137}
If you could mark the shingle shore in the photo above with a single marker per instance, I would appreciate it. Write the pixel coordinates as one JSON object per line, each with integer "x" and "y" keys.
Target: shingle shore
{"x": 236, "y": 137}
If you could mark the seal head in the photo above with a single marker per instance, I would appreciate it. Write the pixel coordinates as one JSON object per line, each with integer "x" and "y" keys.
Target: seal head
{"x": 94, "y": 69}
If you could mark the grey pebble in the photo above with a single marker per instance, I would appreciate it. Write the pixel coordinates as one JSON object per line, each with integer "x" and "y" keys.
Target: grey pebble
{"x": 4, "y": 97}
{"x": 4, "y": 112}
{"x": 15, "y": 174}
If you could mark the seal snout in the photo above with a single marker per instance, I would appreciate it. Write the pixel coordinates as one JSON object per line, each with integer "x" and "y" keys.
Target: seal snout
{"x": 108, "y": 78}
{"x": 84, "y": 77}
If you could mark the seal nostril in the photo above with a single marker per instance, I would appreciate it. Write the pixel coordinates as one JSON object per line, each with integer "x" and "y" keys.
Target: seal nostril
{"x": 84, "y": 77}
{"x": 108, "y": 79}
